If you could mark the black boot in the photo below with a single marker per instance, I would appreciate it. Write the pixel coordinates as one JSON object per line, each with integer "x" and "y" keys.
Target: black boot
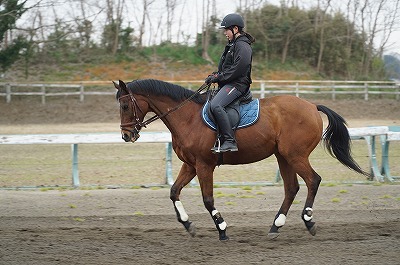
{"x": 226, "y": 132}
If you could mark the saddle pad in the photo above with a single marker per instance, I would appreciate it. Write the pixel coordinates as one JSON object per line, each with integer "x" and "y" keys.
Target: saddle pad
{"x": 249, "y": 114}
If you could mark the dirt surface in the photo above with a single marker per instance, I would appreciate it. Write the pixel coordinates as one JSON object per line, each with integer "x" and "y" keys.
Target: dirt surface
{"x": 356, "y": 225}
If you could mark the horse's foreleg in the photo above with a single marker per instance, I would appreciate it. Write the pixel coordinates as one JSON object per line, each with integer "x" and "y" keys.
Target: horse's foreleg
{"x": 186, "y": 174}
{"x": 206, "y": 183}
{"x": 291, "y": 186}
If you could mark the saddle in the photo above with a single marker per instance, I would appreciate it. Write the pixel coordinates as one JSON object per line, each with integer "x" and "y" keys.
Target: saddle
{"x": 242, "y": 113}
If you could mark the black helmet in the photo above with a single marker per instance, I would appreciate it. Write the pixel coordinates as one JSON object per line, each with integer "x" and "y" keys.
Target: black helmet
{"x": 232, "y": 20}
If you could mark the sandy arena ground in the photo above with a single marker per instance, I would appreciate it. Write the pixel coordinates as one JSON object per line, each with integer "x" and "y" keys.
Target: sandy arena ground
{"x": 357, "y": 224}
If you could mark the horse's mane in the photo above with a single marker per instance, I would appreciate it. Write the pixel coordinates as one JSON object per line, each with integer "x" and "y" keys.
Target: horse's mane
{"x": 161, "y": 88}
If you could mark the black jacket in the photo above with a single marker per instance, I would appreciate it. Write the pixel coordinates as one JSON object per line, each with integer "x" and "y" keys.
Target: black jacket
{"x": 235, "y": 64}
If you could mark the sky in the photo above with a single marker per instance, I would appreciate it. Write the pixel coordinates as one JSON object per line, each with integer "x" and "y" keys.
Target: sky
{"x": 188, "y": 17}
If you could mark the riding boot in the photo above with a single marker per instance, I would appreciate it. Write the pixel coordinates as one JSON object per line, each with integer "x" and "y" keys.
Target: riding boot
{"x": 226, "y": 132}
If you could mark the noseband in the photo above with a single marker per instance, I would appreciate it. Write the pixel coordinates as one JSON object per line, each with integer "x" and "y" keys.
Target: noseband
{"x": 137, "y": 125}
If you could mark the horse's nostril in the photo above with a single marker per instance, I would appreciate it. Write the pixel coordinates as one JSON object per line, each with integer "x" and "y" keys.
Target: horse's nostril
{"x": 125, "y": 137}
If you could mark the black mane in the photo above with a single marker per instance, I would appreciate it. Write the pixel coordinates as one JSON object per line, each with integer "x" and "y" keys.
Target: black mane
{"x": 161, "y": 88}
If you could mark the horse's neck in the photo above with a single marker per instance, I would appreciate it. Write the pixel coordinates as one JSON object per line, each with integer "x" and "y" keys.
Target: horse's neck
{"x": 179, "y": 119}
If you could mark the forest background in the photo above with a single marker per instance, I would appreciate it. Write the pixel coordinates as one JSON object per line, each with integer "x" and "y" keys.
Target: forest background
{"x": 82, "y": 40}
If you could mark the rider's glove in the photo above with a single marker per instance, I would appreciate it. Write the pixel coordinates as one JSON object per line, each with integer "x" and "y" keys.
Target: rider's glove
{"x": 211, "y": 79}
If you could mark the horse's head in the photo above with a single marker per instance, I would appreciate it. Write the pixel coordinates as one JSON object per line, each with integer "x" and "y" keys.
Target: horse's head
{"x": 132, "y": 112}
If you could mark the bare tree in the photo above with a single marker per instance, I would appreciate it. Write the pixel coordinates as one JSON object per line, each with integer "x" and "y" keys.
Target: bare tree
{"x": 171, "y": 5}
{"x": 205, "y": 40}
{"x": 321, "y": 19}
{"x": 144, "y": 17}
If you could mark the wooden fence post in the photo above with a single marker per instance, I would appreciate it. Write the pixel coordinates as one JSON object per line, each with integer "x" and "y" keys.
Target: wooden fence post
{"x": 8, "y": 93}
{"x": 43, "y": 94}
{"x": 262, "y": 90}
{"x": 81, "y": 93}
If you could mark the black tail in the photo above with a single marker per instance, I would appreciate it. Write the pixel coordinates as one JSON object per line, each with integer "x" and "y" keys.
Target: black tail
{"x": 337, "y": 140}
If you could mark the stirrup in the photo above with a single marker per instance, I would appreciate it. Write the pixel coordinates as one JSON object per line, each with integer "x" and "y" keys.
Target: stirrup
{"x": 232, "y": 147}
{"x": 217, "y": 146}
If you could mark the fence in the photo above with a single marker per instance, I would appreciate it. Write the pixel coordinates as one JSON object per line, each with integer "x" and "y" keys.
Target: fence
{"x": 262, "y": 88}
{"x": 387, "y": 134}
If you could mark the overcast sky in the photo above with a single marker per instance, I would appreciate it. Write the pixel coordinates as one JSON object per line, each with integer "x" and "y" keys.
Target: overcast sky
{"x": 188, "y": 16}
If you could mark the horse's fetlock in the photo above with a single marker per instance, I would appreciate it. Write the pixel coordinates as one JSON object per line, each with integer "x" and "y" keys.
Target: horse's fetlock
{"x": 280, "y": 220}
{"x": 307, "y": 214}
{"x": 180, "y": 212}
{"x": 218, "y": 220}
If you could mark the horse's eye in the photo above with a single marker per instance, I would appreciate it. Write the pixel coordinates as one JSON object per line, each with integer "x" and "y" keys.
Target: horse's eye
{"x": 124, "y": 107}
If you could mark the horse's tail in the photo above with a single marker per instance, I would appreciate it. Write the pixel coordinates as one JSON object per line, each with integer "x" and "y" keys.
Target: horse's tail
{"x": 337, "y": 140}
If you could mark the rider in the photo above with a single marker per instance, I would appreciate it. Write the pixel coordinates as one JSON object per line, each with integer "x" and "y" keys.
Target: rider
{"x": 233, "y": 77}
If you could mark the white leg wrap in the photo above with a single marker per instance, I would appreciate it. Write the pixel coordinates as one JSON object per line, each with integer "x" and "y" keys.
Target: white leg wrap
{"x": 306, "y": 216}
{"x": 222, "y": 225}
{"x": 182, "y": 213}
{"x": 280, "y": 221}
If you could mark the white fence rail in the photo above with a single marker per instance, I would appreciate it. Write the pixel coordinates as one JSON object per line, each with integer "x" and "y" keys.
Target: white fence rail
{"x": 379, "y": 173}
{"x": 262, "y": 88}
{"x": 92, "y": 138}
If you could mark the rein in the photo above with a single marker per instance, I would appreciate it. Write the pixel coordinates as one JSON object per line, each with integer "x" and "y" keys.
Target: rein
{"x": 138, "y": 124}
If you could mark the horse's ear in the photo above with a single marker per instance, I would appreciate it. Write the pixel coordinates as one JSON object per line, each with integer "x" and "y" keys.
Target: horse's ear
{"x": 122, "y": 85}
{"x": 116, "y": 86}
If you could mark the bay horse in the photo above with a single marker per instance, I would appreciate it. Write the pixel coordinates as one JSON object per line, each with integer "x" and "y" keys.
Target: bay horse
{"x": 288, "y": 127}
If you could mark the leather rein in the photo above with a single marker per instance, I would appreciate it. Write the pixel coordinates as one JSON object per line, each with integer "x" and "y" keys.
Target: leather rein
{"x": 138, "y": 125}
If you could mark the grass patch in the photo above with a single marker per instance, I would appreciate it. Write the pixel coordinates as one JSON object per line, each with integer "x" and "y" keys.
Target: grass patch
{"x": 72, "y": 206}
{"x": 343, "y": 191}
{"x": 335, "y": 200}
{"x": 78, "y": 219}
{"x": 230, "y": 203}
{"x": 138, "y": 213}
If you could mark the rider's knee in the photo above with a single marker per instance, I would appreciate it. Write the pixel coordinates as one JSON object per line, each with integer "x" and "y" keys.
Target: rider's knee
{"x": 215, "y": 108}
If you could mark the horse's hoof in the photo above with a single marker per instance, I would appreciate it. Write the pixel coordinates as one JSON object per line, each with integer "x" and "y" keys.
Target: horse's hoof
{"x": 192, "y": 230}
{"x": 313, "y": 230}
{"x": 223, "y": 238}
{"x": 273, "y": 235}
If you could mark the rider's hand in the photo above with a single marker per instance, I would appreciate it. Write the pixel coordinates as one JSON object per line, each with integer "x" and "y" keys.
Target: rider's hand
{"x": 211, "y": 79}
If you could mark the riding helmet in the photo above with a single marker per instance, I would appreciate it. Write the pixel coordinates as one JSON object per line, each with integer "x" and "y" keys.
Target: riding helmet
{"x": 232, "y": 20}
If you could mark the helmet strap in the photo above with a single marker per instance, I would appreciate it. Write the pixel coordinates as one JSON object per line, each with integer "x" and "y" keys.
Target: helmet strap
{"x": 233, "y": 33}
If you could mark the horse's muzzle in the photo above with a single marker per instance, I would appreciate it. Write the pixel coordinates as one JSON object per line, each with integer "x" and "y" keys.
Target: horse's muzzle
{"x": 126, "y": 137}
{"x": 130, "y": 137}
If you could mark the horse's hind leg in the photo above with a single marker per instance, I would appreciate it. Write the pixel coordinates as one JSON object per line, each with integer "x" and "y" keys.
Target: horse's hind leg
{"x": 312, "y": 180}
{"x": 186, "y": 174}
{"x": 291, "y": 186}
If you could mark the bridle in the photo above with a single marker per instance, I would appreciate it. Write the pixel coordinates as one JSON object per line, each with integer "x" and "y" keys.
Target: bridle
{"x": 137, "y": 125}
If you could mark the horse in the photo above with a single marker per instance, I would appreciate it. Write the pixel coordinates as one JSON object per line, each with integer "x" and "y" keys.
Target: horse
{"x": 288, "y": 127}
